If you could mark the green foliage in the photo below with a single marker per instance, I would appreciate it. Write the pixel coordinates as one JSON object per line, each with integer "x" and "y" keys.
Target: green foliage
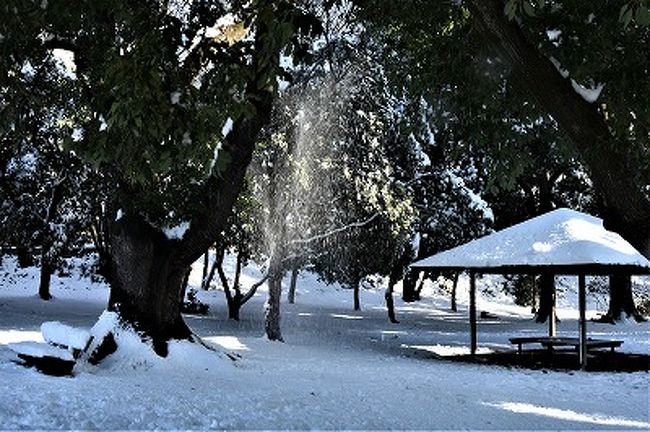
{"x": 436, "y": 52}
{"x": 149, "y": 90}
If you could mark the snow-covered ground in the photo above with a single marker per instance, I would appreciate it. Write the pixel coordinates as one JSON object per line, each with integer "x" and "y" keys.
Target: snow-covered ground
{"x": 338, "y": 369}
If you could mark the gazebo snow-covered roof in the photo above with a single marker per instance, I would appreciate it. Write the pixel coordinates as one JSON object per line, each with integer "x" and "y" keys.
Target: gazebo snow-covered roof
{"x": 562, "y": 241}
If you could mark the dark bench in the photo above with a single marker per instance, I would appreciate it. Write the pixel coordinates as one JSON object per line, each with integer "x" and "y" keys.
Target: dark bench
{"x": 553, "y": 342}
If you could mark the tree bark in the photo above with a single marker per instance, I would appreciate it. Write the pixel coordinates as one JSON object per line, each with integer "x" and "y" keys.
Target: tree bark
{"x": 621, "y": 300}
{"x": 272, "y": 312}
{"x": 47, "y": 261}
{"x": 357, "y": 303}
{"x": 147, "y": 282}
{"x": 533, "y": 300}
{"x": 408, "y": 286}
{"x": 454, "y": 306}
{"x": 24, "y": 257}
{"x": 390, "y": 303}
{"x": 44, "y": 283}
{"x": 206, "y": 265}
{"x": 396, "y": 273}
{"x": 205, "y": 283}
{"x": 148, "y": 268}
{"x": 291, "y": 295}
{"x": 607, "y": 159}
{"x": 546, "y": 297}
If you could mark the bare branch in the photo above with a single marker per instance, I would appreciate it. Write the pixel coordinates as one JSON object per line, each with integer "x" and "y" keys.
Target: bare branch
{"x": 253, "y": 289}
{"x": 334, "y": 231}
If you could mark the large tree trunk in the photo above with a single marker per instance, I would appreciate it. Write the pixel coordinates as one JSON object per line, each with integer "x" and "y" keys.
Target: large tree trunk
{"x": 147, "y": 282}
{"x": 607, "y": 159}
{"x": 147, "y": 267}
{"x": 621, "y": 300}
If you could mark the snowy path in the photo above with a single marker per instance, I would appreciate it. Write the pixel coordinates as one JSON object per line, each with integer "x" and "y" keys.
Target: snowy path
{"x": 338, "y": 369}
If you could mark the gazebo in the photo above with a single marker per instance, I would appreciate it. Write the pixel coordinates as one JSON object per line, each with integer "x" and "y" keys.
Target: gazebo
{"x": 560, "y": 242}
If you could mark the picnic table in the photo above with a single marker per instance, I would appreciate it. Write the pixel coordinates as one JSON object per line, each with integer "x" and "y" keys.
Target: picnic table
{"x": 554, "y": 342}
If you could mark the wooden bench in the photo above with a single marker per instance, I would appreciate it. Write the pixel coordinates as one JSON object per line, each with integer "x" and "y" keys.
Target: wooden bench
{"x": 58, "y": 356}
{"x": 553, "y": 342}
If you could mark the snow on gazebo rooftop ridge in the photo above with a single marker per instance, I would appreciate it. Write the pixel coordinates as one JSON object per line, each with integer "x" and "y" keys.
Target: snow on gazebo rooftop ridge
{"x": 560, "y": 238}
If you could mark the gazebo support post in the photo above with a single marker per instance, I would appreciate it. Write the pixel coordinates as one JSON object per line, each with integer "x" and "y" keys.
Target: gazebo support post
{"x": 582, "y": 304}
{"x": 472, "y": 312}
{"x": 552, "y": 323}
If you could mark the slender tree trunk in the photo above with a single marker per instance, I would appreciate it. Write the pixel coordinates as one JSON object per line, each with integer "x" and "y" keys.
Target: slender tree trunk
{"x": 390, "y": 303}
{"x": 206, "y": 265}
{"x": 291, "y": 295}
{"x": 272, "y": 312}
{"x": 47, "y": 267}
{"x": 44, "y": 283}
{"x": 236, "y": 301}
{"x": 408, "y": 286}
{"x": 185, "y": 283}
{"x": 147, "y": 282}
{"x": 418, "y": 291}
{"x": 454, "y": 306}
{"x": 621, "y": 300}
{"x": 533, "y": 301}
{"x": 546, "y": 297}
{"x": 357, "y": 303}
{"x": 100, "y": 233}
{"x": 205, "y": 283}
{"x": 397, "y": 272}
{"x": 24, "y": 257}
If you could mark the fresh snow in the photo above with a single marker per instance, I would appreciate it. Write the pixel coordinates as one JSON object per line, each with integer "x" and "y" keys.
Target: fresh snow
{"x": 227, "y": 127}
{"x": 175, "y": 97}
{"x": 562, "y": 237}
{"x": 590, "y": 94}
{"x": 61, "y": 334}
{"x": 34, "y": 349}
{"x": 339, "y": 369}
{"x": 177, "y": 232}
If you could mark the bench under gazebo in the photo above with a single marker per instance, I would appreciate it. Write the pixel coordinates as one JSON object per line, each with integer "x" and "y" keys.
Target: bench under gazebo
{"x": 560, "y": 242}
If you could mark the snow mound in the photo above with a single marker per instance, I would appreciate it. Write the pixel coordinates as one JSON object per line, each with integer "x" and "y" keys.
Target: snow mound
{"x": 135, "y": 352}
{"x": 57, "y": 333}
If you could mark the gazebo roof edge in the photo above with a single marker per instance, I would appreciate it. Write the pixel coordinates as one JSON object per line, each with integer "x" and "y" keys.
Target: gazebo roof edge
{"x": 592, "y": 269}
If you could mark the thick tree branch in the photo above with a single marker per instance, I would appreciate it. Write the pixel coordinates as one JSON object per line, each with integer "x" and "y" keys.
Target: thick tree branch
{"x": 609, "y": 162}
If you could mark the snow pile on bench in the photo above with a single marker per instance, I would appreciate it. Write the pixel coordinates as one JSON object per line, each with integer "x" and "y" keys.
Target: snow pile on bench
{"x": 60, "y": 334}
{"x": 58, "y": 356}
{"x": 40, "y": 350}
